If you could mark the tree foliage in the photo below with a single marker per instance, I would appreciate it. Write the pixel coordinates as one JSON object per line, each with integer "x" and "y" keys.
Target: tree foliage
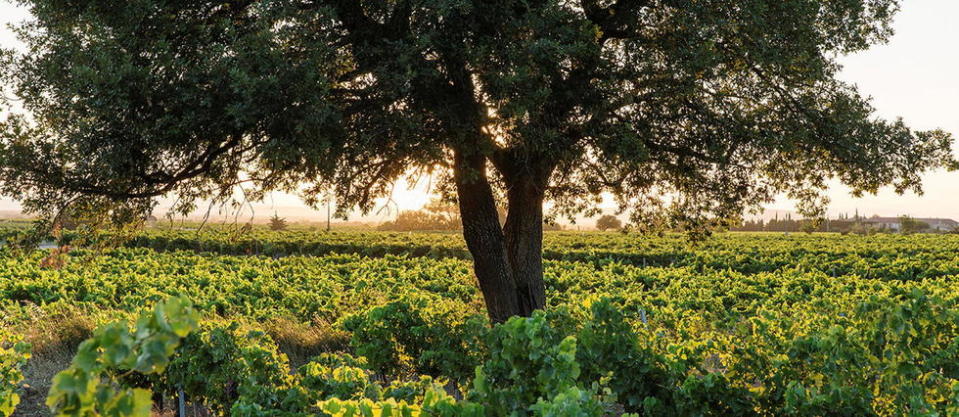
{"x": 720, "y": 104}
{"x": 687, "y": 112}
{"x": 435, "y": 215}
{"x": 910, "y": 225}
{"x": 277, "y": 223}
{"x": 608, "y": 222}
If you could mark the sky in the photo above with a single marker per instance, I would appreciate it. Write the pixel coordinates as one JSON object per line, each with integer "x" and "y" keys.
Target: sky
{"x": 913, "y": 77}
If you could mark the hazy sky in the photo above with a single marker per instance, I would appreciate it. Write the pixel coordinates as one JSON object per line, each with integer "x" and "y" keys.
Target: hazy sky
{"x": 913, "y": 77}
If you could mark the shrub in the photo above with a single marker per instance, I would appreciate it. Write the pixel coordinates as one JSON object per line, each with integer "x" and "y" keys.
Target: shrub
{"x": 529, "y": 362}
{"x": 13, "y": 355}
{"x": 217, "y": 364}
{"x": 419, "y": 335}
{"x": 436, "y": 403}
{"x": 608, "y": 349}
{"x": 338, "y": 376}
{"x": 91, "y": 386}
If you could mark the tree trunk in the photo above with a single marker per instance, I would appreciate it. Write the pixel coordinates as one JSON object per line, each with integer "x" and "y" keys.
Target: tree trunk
{"x": 483, "y": 235}
{"x": 508, "y": 261}
{"x": 524, "y": 241}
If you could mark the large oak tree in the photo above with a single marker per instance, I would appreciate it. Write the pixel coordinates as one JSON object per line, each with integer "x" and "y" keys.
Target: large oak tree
{"x": 686, "y": 111}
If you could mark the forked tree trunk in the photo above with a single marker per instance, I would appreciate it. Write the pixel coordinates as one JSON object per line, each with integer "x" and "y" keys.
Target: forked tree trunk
{"x": 507, "y": 261}
{"x": 483, "y": 235}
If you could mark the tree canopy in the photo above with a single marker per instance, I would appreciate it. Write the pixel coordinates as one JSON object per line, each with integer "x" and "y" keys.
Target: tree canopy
{"x": 435, "y": 215}
{"x": 910, "y": 225}
{"x": 609, "y": 222}
{"x": 278, "y": 223}
{"x": 686, "y": 111}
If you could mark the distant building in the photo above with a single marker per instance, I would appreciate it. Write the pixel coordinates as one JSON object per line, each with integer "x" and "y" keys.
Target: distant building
{"x": 943, "y": 225}
{"x": 895, "y": 223}
{"x": 889, "y": 223}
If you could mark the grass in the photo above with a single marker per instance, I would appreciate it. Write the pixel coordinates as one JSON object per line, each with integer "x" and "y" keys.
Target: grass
{"x": 302, "y": 341}
{"x": 54, "y": 334}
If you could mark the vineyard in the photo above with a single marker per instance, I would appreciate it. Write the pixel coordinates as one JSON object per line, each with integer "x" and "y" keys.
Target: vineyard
{"x": 392, "y": 324}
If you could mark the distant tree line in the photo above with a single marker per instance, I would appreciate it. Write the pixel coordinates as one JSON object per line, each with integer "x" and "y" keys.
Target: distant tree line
{"x": 438, "y": 215}
{"x": 788, "y": 224}
{"x": 843, "y": 224}
{"x": 800, "y": 225}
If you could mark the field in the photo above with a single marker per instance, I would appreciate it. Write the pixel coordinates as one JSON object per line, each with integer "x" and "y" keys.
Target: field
{"x": 306, "y": 323}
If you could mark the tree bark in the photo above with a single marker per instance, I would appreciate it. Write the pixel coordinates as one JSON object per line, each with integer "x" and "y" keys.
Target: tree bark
{"x": 507, "y": 260}
{"x": 524, "y": 240}
{"x": 483, "y": 235}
